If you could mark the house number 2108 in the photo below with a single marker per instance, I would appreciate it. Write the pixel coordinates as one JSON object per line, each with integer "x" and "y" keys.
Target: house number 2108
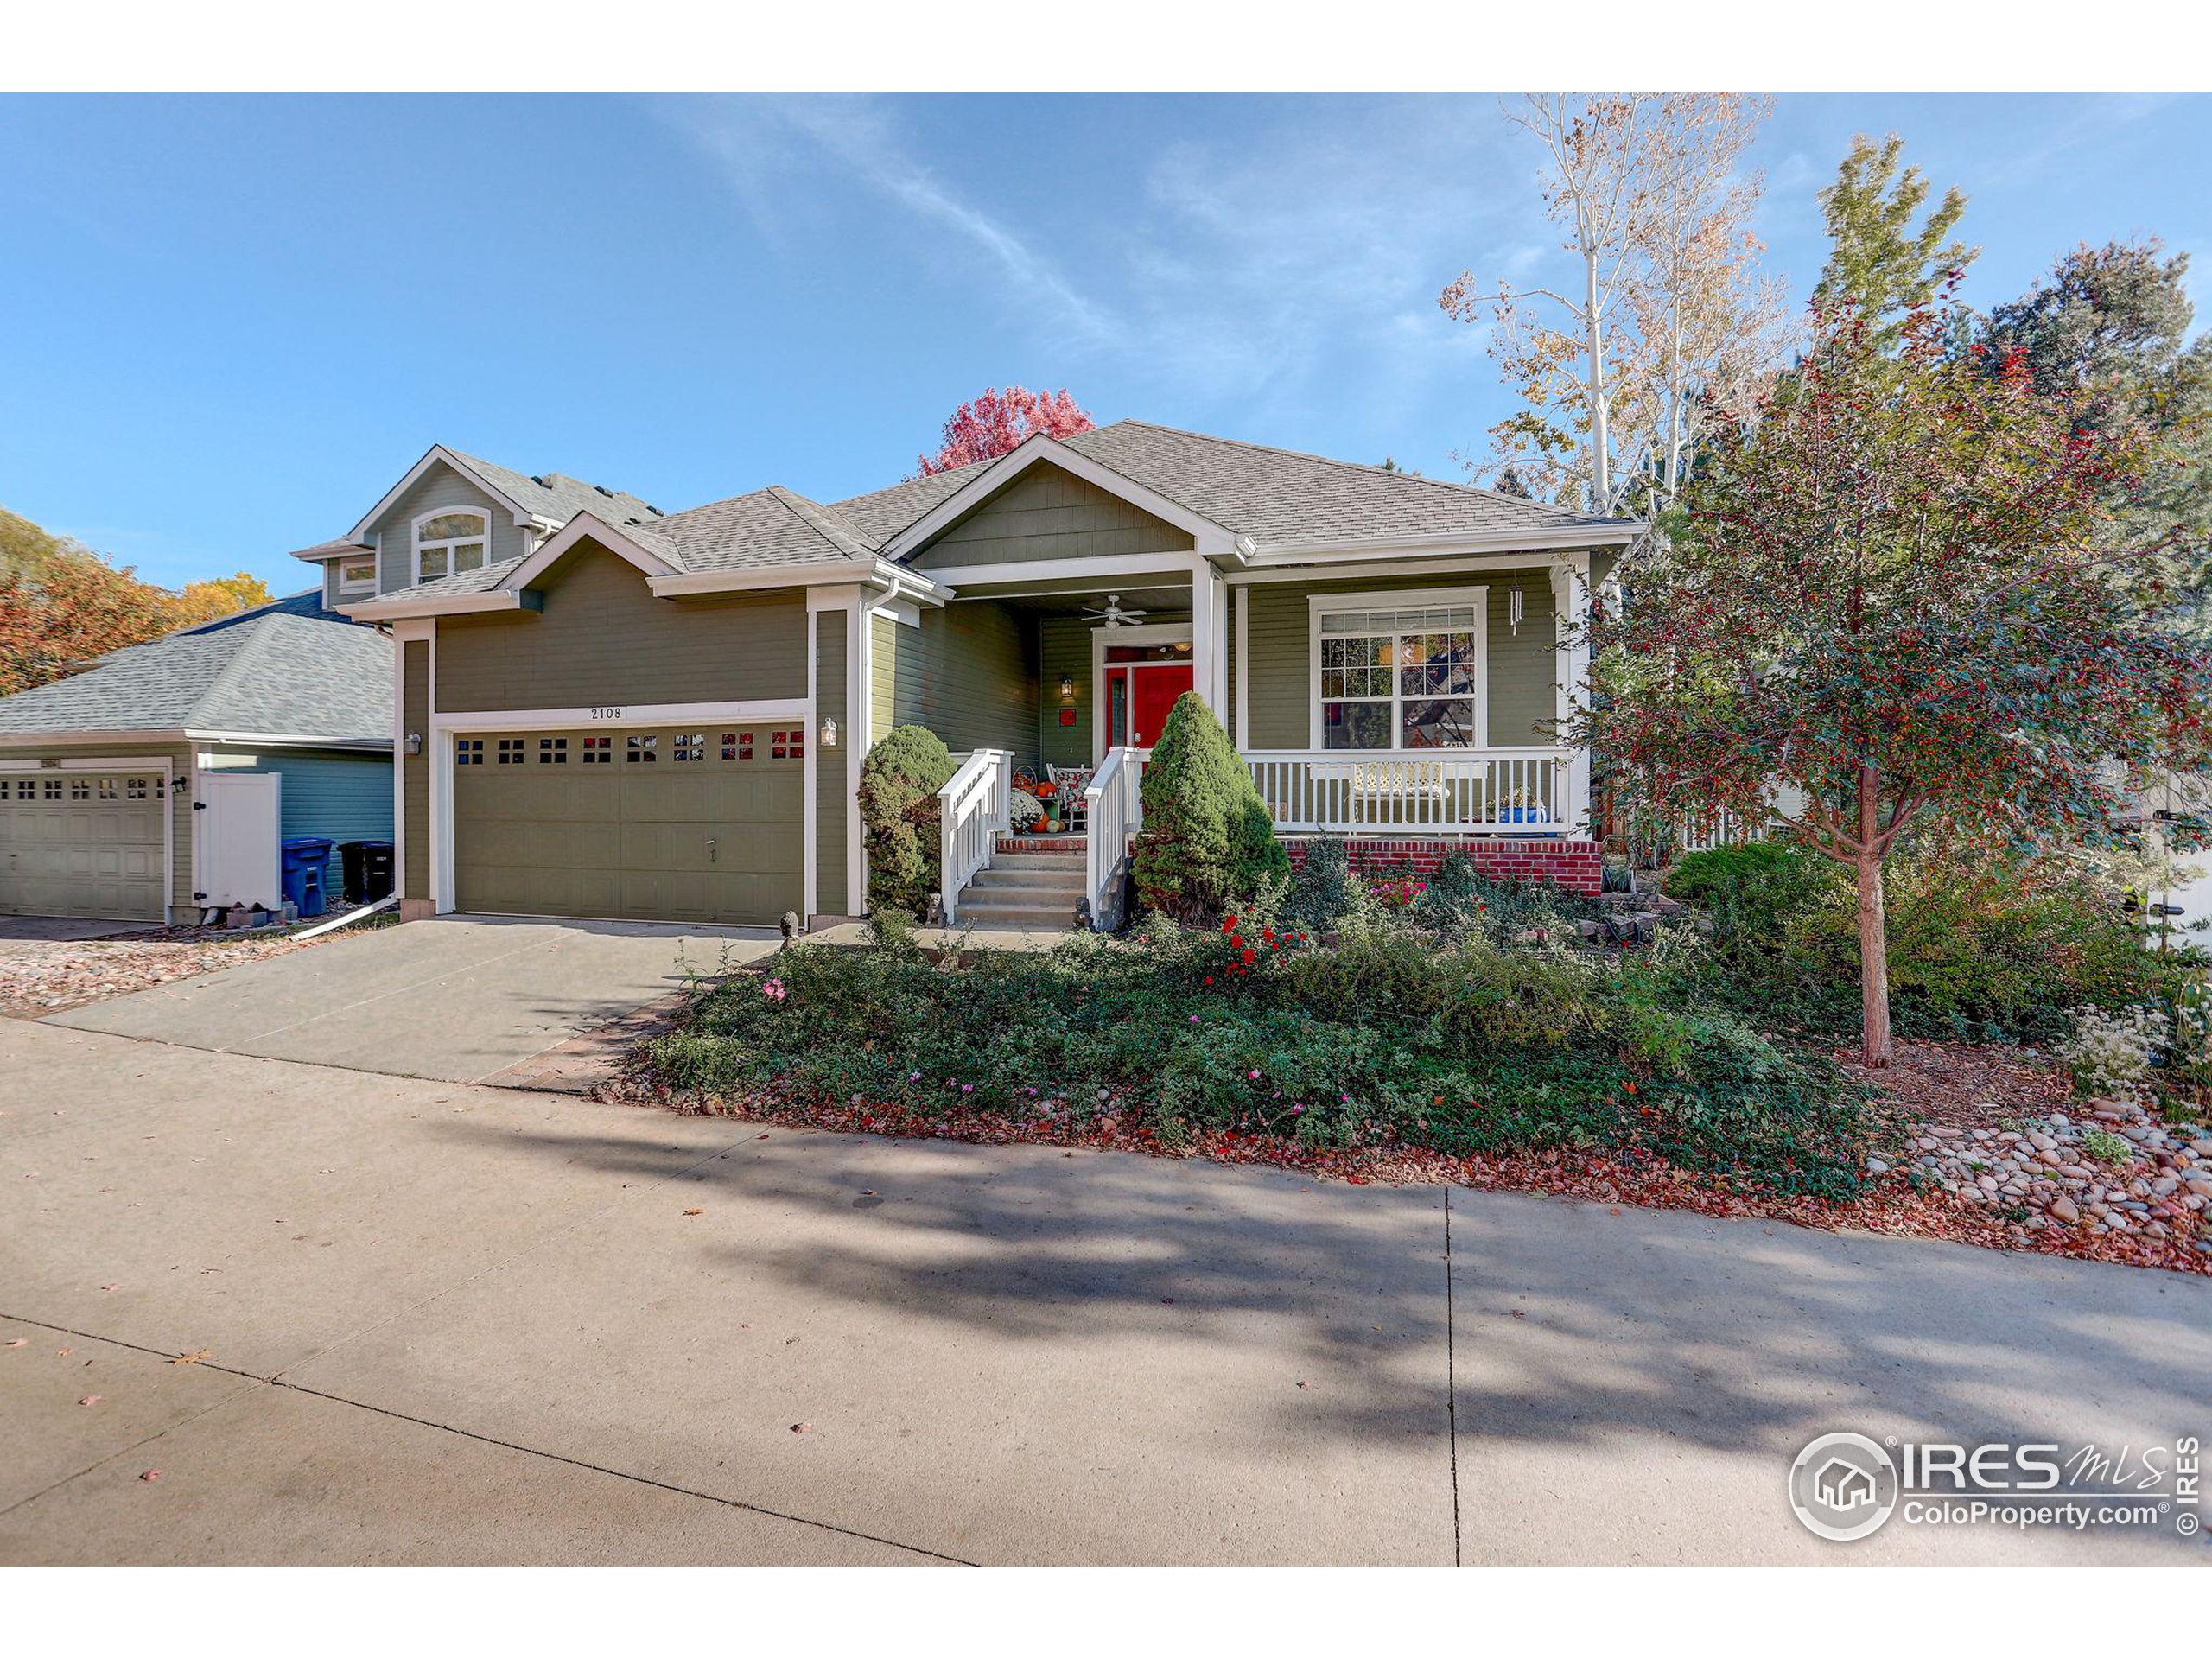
{"x": 606, "y": 714}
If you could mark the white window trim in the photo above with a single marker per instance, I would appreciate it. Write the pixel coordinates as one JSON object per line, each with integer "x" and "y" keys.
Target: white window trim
{"x": 346, "y": 589}
{"x": 1401, "y": 599}
{"x": 415, "y": 540}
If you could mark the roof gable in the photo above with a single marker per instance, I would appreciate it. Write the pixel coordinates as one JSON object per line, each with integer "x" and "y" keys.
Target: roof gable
{"x": 1048, "y": 513}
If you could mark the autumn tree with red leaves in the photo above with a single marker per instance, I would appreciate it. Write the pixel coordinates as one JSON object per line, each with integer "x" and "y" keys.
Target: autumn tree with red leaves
{"x": 985, "y": 427}
{"x": 1891, "y": 593}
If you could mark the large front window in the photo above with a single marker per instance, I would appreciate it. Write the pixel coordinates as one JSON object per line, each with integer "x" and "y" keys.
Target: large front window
{"x": 1400, "y": 679}
{"x": 449, "y": 542}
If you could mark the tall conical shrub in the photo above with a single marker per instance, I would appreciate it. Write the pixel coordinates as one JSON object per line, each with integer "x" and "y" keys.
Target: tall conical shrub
{"x": 899, "y": 779}
{"x": 1208, "y": 841}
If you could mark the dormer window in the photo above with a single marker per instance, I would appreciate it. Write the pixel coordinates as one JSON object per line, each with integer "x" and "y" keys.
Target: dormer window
{"x": 357, "y": 577}
{"x": 447, "y": 544}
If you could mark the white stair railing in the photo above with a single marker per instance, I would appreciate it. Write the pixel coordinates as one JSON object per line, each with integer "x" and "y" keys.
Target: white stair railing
{"x": 1113, "y": 809}
{"x": 974, "y": 808}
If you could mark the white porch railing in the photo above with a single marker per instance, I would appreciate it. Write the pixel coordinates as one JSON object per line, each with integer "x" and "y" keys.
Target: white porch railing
{"x": 1113, "y": 809}
{"x": 1523, "y": 792}
{"x": 974, "y": 809}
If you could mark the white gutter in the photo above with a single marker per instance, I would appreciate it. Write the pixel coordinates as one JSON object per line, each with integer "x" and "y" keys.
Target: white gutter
{"x": 1618, "y": 531}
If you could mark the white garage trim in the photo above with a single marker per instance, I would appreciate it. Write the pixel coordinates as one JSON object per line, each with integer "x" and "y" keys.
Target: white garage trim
{"x": 438, "y": 749}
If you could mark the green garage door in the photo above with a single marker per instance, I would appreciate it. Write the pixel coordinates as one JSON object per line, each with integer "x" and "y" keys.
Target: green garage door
{"x": 641, "y": 825}
{"x": 78, "y": 843}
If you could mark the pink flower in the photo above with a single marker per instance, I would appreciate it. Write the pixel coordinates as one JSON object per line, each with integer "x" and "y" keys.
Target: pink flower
{"x": 1254, "y": 1075}
{"x": 772, "y": 989}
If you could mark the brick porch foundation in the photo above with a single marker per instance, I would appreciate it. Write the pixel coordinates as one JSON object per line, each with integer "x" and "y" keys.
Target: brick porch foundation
{"x": 1574, "y": 864}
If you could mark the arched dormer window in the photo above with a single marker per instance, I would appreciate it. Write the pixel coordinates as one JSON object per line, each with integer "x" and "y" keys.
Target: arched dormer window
{"x": 449, "y": 541}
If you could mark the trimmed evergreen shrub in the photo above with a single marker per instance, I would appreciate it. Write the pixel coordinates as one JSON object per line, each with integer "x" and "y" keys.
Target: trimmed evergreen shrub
{"x": 1208, "y": 841}
{"x": 899, "y": 779}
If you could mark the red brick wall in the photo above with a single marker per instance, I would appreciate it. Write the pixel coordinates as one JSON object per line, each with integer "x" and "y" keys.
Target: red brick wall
{"x": 1574, "y": 864}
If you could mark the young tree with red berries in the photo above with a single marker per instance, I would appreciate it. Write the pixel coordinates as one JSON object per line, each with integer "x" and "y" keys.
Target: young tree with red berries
{"x": 1890, "y": 594}
{"x": 988, "y": 426}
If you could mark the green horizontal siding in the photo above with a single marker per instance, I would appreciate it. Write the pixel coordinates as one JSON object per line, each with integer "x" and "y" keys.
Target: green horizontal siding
{"x": 603, "y": 640}
{"x": 833, "y": 802}
{"x": 1050, "y": 513}
{"x": 1064, "y": 648}
{"x": 969, "y": 674}
{"x": 414, "y": 769}
{"x": 1279, "y": 633}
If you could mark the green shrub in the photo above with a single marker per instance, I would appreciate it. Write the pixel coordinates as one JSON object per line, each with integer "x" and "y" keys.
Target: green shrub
{"x": 1989, "y": 953}
{"x": 1395, "y": 1037}
{"x": 1208, "y": 841}
{"x": 899, "y": 779}
{"x": 1741, "y": 882}
{"x": 1325, "y": 890}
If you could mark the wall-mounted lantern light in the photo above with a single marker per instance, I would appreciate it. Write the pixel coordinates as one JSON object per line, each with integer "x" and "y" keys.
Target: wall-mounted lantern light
{"x": 414, "y": 742}
{"x": 1067, "y": 688}
{"x": 828, "y": 733}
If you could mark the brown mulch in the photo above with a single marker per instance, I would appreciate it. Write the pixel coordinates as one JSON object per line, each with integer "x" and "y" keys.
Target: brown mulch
{"x": 40, "y": 977}
{"x": 1937, "y": 1077}
{"x": 1955, "y": 1085}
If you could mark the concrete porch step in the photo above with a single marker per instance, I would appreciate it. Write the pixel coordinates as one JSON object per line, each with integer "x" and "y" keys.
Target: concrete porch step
{"x": 1000, "y": 879}
{"x": 1074, "y": 862}
{"x": 1043, "y": 918}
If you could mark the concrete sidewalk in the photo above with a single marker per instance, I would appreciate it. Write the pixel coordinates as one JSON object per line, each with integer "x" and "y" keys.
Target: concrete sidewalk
{"x": 462, "y": 998}
{"x": 446, "y": 1323}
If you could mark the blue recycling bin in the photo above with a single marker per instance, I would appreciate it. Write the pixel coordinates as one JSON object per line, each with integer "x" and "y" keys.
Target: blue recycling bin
{"x": 306, "y": 859}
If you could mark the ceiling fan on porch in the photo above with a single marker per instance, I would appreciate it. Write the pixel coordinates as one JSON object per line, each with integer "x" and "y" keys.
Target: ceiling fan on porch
{"x": 1113, "y": 614}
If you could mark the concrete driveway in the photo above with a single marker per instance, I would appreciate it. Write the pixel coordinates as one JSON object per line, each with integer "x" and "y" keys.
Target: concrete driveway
{"x": 461, "y": 998}
{"x": 442, "y": 1323}
{"x": 67, "y": 930}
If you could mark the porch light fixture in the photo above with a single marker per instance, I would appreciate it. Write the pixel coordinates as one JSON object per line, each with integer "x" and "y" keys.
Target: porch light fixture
{"x": 1067, "y": 688}
{"x": 414, "y": 742}
{"x": 829, "y": 732}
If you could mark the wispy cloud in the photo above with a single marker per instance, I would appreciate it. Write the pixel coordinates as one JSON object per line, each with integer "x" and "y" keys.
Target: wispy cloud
{"x": 757, "y": 139}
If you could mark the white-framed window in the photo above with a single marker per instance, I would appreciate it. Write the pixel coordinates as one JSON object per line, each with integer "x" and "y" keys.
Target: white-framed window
{"x": 1405, "y": 671}
{"x": 357, "y": 575}
{"x": 449, "y": 541}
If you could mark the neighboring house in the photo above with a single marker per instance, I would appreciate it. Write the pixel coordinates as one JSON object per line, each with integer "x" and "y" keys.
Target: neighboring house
{"x": 605, "y": 710}
{"x": 100, "y": 773}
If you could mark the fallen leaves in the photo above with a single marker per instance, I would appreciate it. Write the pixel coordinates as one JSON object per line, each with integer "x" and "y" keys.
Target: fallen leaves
{"x": 802, "y": 1428}
{"x": 151, "y": 1474}
{"x": 192, "y": 1358}
{"x": 18, "y": 1342}
{"x": 92, "y": 1400}
{"x": 695, "y": 1213}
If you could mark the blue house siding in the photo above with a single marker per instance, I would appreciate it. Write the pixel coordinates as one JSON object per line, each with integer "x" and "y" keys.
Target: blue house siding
{"x": 340, "y": 796}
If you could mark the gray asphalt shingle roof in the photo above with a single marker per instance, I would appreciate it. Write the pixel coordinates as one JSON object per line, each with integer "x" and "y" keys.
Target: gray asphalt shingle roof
{"x": 1274, "y": 496}
{"x": 1278, "y": 498}
{"x": 561, "y": 497}
{"x": 275, "y": 673}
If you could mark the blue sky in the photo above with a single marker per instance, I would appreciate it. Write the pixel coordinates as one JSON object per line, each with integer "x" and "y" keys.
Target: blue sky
{"x": 232, "y": 323}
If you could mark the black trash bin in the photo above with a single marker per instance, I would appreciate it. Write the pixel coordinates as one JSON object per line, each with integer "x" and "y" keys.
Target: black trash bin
{"x": 365, "y": 867}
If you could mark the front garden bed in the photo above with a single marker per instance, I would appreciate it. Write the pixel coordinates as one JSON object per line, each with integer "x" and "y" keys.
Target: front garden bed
{"x": 1453, "y": 1030}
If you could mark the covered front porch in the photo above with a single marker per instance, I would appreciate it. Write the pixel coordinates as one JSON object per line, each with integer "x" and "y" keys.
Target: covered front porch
{"x": 1403, "y": 712}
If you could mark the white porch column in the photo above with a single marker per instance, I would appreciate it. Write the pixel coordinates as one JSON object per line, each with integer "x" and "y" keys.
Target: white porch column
{"x": 1570, "y": 659}
{"x": 1210, "y": 638}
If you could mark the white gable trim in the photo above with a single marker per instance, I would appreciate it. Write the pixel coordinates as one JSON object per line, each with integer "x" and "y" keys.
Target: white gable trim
{"x": 1211, "y": 538}
{"x": 436, "y": 453}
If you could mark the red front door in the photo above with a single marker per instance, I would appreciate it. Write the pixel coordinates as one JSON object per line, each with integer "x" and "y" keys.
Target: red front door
{"x": 1147, "y": 691}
